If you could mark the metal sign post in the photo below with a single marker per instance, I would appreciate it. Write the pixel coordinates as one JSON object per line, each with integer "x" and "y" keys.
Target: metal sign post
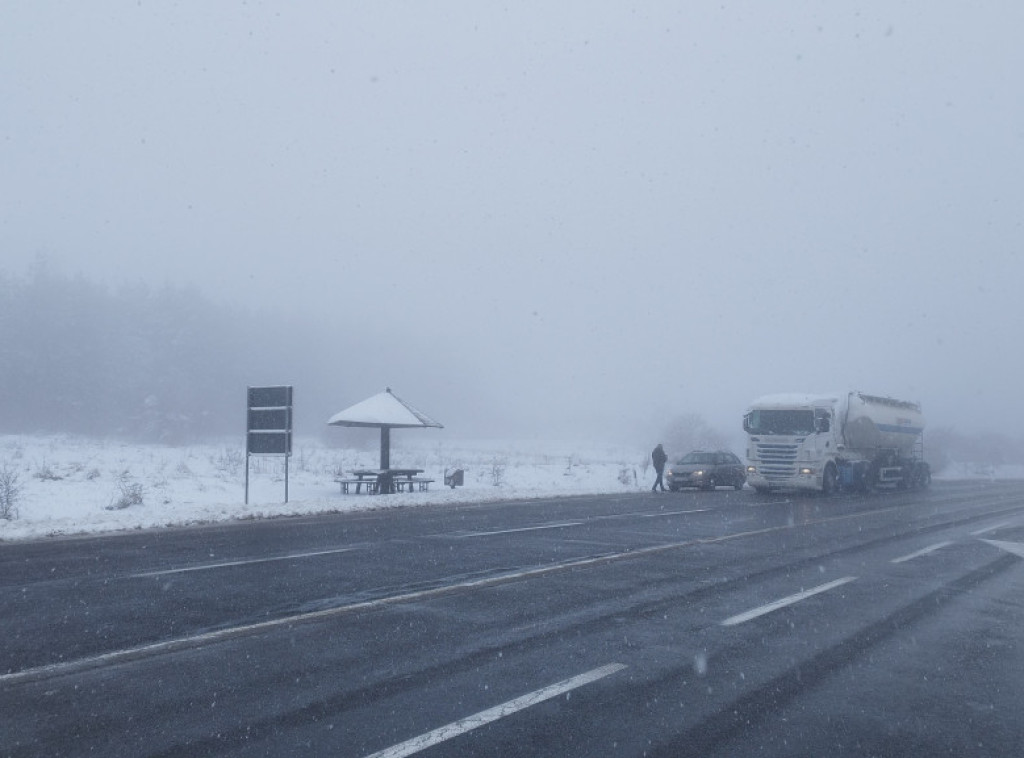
{"x": 268, "y": 429}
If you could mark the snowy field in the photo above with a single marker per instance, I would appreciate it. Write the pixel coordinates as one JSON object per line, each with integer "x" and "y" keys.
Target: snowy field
{"x": 71, "y": 485}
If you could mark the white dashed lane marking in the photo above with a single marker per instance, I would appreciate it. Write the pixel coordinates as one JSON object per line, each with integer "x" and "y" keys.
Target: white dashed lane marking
{"x": 786, "y": 601}
{"x": 454, "y": 729}
{"x": 922, "y": 551}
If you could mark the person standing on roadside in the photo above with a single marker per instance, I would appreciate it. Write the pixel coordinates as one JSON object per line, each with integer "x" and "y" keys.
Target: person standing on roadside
{"x": 658, "y": 457}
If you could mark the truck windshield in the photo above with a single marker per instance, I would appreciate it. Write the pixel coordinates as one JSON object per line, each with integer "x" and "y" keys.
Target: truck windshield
{"x": 780, "y": 422}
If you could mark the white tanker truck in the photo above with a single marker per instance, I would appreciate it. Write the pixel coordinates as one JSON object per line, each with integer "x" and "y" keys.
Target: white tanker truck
{"x": 825, "y": 442}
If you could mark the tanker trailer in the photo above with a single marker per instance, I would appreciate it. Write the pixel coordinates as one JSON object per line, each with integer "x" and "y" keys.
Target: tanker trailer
{"x": 824, "y": 442}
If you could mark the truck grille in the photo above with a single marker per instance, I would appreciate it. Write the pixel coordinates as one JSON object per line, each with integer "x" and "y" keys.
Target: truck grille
{"x": 776, "y": 461}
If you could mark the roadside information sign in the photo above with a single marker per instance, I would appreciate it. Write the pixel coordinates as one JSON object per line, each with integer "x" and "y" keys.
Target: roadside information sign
{"x": 268, "y": 428}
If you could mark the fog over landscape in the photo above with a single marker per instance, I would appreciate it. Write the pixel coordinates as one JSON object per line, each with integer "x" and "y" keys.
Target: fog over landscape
{"x": 551, "y": 221}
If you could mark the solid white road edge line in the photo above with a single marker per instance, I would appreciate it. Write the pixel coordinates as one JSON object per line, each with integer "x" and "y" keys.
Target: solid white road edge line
{"x": 617, "y": 516}
{"x": 792, "y": 599}
{"x": 671, "y": 513}
{"x": 520, "y": 529}
{"x": 923, "y": 551}
{"x": 454, "y": 729}
{"x": 245, "y": 562}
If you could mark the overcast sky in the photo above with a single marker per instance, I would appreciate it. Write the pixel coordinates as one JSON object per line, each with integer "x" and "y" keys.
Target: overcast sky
{"x": 594, "y": 212}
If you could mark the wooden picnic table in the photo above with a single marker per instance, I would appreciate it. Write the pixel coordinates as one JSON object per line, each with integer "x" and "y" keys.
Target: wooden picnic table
{"x": 384, "y": 480}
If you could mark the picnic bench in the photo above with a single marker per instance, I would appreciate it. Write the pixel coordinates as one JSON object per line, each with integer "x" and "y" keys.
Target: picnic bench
{"x": 421, "y": 484}
{"x": 359, "y": 479}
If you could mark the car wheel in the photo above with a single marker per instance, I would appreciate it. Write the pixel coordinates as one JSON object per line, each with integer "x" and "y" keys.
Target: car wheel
{"x": 739, "y": 485}
{"x": 710, "y": 484}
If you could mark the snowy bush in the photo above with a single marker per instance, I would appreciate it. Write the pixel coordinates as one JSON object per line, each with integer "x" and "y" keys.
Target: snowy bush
{"x": 129, "y": 493}
{"x": 497, "y": 472}
{"x": 230, "y": 461}
{"x": 47, "y": 474}
{"x": 10, "y": 492}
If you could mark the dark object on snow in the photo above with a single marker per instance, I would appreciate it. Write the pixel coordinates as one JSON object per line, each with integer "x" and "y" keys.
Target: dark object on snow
{"x": 455, "y": 478}
{"x": 658, "y": 457}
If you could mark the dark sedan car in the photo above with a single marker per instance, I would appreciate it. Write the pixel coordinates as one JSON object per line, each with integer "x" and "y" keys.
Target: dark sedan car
{"x": 706, "y": 471}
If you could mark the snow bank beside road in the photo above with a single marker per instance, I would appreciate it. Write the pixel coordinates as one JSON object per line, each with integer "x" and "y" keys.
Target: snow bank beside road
{"x": 71, "y": 485}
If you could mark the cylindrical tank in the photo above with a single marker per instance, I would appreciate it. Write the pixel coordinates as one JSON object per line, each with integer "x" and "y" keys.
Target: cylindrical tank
{"x": 873, "y": 422}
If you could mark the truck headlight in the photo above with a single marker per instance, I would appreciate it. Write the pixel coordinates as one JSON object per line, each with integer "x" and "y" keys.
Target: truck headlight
{"x": 806, "y": 471}
{"x": 751, "y": 469}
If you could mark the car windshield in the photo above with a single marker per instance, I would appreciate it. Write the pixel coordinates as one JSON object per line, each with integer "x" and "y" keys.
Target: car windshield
{"x": 701, "y": 458}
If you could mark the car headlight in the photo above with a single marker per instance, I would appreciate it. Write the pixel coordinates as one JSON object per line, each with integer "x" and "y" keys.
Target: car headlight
{"x": 698, "y": 472}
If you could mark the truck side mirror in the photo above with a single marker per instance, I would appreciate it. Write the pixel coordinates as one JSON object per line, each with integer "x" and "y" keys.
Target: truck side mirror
{"x": 822, "y": 424}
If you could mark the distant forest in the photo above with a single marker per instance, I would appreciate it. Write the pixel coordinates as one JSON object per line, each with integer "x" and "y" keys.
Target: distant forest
{"x": 160, "y": 365}
{"x": 153, "y": 365}
{"x": 169, "y": 365}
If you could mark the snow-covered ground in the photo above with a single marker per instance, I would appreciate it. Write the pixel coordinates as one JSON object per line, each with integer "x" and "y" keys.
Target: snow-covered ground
{"x": 72, "y": 485}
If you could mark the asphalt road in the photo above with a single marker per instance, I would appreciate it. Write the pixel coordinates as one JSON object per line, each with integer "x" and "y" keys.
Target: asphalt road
{"x": 711, "y": 624}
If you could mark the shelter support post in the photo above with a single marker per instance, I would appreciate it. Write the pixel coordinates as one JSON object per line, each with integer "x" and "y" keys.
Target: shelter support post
{"x": 385, "y": 447}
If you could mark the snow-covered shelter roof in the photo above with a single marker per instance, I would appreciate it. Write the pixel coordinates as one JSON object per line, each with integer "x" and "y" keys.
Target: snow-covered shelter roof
{"x": 385, "y": 409}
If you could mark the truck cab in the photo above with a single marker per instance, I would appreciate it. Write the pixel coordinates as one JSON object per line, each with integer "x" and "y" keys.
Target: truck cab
{"x": 791, "y": 443}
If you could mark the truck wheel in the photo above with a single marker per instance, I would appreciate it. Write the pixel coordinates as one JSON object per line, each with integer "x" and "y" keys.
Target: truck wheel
{"x": 869, "y": 479}
{"x": 924, "y": 475}
{"x": 829, "y": 479}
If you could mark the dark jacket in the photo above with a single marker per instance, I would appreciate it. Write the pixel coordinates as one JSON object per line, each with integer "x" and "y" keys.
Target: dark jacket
{"x": 659, "y": 458}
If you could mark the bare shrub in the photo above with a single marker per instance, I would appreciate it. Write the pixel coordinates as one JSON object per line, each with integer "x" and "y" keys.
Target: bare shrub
{"x": 47, "y": 474}
{"x": 230, "y": 461}
{"x": 129, "y": 492}
{"x": 497, "y": 472}
{"x": 10, "y": 493}
{"x": 690, "y": 431}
